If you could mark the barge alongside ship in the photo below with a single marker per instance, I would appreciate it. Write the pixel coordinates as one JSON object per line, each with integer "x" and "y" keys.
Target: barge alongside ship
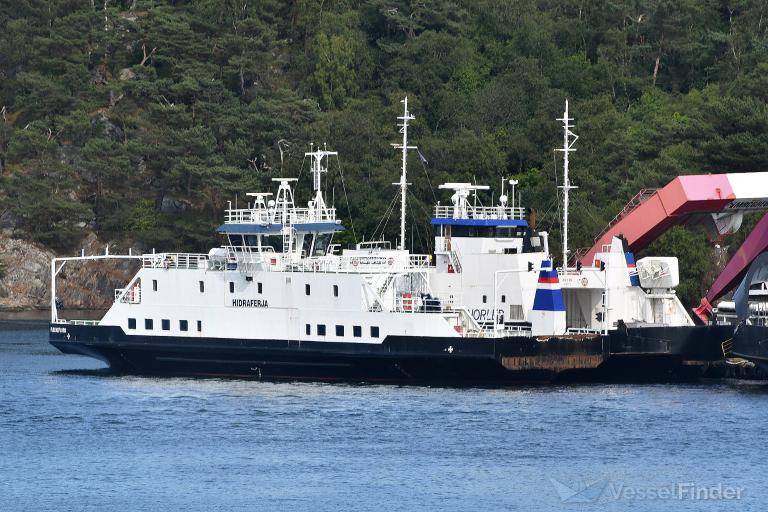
{"x": 280, "y": 301}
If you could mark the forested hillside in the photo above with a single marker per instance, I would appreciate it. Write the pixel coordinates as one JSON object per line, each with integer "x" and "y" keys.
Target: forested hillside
{"x": 138, "y": 120}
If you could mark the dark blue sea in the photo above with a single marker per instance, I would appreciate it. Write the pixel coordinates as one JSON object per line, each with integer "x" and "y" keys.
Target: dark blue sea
{"x": 72, "y": 437}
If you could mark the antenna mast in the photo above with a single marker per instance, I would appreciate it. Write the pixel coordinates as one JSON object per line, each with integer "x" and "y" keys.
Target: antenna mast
{"x": 317, "y": 170}
{"x": 566, "y": 186}
{"x": 405, "y": 147}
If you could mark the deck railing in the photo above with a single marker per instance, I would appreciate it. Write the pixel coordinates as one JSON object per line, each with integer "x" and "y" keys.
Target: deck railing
{"x": 480, "y": 212}
{"x": 277, "y": 216}
{"x": 175, "y": 260}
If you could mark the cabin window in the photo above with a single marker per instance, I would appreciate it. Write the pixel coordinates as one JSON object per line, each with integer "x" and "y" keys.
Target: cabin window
{"x": 231, "y": 287}
{"x": 374, "y": 332}
{"x": 166, "y": 324}
{"x": 148, "y": 324}
{"x": 202, "y": 286}
{"x": 183, "y": 325}
{"x": 199, "y": 326}
{"x": 249, "y": 278}
{"x": 485, "y": 299}
{"x": 131, "y": 323}
{"x": 357, "y": 331}
{"x": 339, "y": 330}
{"x": 258, "y": 287}
{"x": 335, "y": 290}
{"x": 154, "y": 285}
{"x": 308, "y": 329}
{"x": 321, "y": 329}
{"x": 503, "y": 298}
{"x": 306, "y": 289}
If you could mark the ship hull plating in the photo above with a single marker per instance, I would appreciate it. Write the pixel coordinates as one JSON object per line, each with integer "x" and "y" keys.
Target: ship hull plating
{"x": 642, "y": 354}
{"x": 751, "y": 342}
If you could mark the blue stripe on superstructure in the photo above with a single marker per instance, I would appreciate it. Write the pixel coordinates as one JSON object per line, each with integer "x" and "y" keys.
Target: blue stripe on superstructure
{"x": 634, "y": 280}
{"x": 548, "y": 273}
{"x": 548, "y": 300}
{"x": 249, "y": 229}
{"x": 480, "y": 222}
{"x": 323, "y": 227}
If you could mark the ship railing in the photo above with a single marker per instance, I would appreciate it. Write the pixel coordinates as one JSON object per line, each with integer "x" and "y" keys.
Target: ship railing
{"x": 78, "y": 322}
{"x": 277, "y": 216}
{"x": 130, "y": 295}
{"x": 420, "y": 302}
{"x": 582, "y": 330}
{"x": 480, "y": 212}
{"x": 419, "y": 260}
{"x": 348, "y": 264}
{"x": 175, "y": 260}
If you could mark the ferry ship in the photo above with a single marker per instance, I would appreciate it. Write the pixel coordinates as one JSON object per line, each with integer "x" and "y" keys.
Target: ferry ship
{"x": 279, "y": 300}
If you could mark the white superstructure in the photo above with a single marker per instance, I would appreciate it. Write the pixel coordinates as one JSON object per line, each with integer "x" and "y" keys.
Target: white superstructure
{"x": 278, "y": 276}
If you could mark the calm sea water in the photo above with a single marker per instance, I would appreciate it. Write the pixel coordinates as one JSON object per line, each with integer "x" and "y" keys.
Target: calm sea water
{"x": 75, "y": 438}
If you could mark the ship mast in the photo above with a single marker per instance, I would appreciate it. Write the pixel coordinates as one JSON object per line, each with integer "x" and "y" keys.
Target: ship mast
{"x": 566, "y": 186}
{"x": 403, "y": 183}
{"x": 317, "y": 170}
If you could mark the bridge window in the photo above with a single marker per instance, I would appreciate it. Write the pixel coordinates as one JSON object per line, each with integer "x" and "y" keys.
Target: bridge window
{"x": 308, "y": 329}
{"x": 202, "y": 286}
{"x": 166, "y": 324}
{"x": 374, "y": 332}
{"x": 199, "y": 326}
{"x": 258, "y": 287}
{"x": 183, "y": 325}
{"x": 148, "y": 324}
{"x": 335, "y": 290}
{"x": 131, "y": 323}
{"x": 231, "y": 287}
{"x": 154, "y": 285}
{"x": 306, "y": 289}
{"x": 339, "y": 330}
{"x": 321, "y": 329}
{"x": 357, "y": 331}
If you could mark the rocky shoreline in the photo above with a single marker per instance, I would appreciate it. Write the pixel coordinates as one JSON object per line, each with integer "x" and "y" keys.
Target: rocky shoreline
{"x": 25, "y": 278}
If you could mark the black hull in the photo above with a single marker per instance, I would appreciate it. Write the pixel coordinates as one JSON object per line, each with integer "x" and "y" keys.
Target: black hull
{"x": 643, "y": 354}
{"x": 751, "y": 342}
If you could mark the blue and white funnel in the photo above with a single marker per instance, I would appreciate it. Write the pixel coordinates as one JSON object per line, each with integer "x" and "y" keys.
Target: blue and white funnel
{"x": 548, "y": 313}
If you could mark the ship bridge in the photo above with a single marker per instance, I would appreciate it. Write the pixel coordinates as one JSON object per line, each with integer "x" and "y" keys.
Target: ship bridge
{"x": 467, "y": 218}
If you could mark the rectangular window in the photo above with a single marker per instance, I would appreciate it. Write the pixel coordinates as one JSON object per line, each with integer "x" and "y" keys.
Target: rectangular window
{"x": 258, "y": 287}
{"x": 183, "y": 325}
{"x": 503, "y": 298}
{"x": 154, "y": 285}
{"x": 306, "y": 289}
{"x": 231, "y": 287}
{"x": 339, "y": 330}
{"x": 485, "y": 299}
{"x": 357, "y": 331}
{"x": 308, "y": 329}
{"x": 202, "y": 286}
{"x": 335, "y": 290}
{"x": 131, "y": 323}
{"x": 148, "y": 324}
{"x": 249, "y": 278}
{"x": 320, "y": 329}
{"x": 374, "y": 332}
{"x": 166, "y": 324}
{"x": 199, "y": 326}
